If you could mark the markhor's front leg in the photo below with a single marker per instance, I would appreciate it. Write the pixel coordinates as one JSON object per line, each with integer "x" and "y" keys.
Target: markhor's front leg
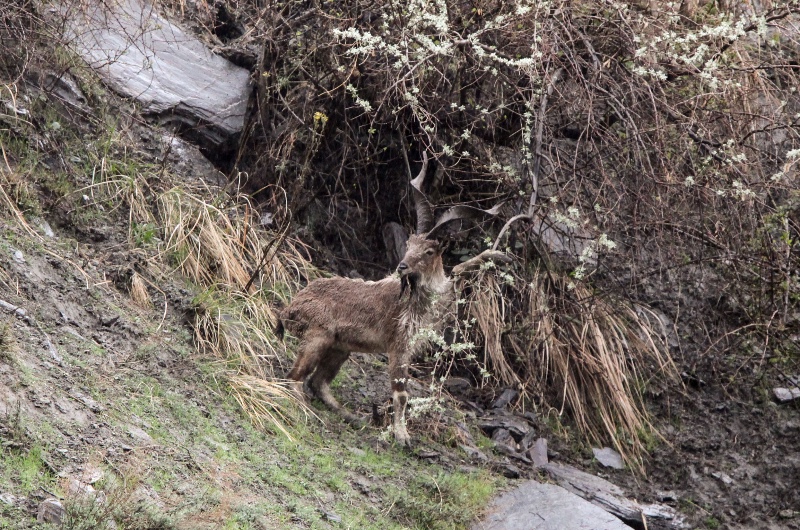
{"x": 398, "y": 374}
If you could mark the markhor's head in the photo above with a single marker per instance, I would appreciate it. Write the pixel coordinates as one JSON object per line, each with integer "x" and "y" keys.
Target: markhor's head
{"x": 422, "y": 261}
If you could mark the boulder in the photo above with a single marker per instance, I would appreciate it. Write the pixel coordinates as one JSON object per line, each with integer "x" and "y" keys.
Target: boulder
{"x": 611, "y": 498}
{"x": 51, "y": 511}
{"x": 174, "y": 76}
{"x": 535, "y": 506}
{"x": 787, "y": 394}
{"x": 538, "y": 452}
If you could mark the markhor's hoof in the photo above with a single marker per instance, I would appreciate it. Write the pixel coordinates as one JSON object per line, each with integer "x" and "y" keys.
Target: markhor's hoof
{"x": 402, "y": 438}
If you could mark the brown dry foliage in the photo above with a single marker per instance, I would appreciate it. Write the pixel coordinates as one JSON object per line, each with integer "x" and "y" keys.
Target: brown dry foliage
{"x": 668, "y": 130}
{"x": 663, "y": 129}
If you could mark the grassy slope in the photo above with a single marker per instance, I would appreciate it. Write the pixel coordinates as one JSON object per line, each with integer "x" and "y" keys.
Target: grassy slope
{"x": 127, "y": 394}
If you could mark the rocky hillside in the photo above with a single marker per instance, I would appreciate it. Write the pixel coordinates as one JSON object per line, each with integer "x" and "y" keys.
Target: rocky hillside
{"x": 107, "y": 401}
{"x": 172, "y": 174}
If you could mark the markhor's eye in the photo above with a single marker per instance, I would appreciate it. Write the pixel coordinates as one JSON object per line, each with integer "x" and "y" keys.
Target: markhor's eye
{"x": 429, "y": 252}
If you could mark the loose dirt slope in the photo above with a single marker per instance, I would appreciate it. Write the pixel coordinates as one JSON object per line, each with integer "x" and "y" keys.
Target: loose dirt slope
{"x": 97, "y": 390}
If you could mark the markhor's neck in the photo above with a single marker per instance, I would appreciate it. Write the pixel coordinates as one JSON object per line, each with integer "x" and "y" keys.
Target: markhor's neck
{"x": 438, "y": 283}
{"x": 422, "y": 297}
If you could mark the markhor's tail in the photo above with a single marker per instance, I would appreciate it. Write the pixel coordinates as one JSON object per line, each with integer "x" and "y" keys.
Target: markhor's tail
{"x": 279, "y": 330}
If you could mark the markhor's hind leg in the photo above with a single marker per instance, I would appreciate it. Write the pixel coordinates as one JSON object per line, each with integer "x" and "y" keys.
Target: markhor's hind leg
{"x": 327, "y": 368}
{"x": 309, "y": 355}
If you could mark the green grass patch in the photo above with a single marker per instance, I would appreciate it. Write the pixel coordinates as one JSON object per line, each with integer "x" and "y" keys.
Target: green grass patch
{"x": 25, "y": 471}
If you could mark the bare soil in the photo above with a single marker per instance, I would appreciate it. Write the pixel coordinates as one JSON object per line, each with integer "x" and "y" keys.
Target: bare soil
{"x": 726, "y": 461}
{"x": 96, "y": 381}
{"x": 723, "y": 462}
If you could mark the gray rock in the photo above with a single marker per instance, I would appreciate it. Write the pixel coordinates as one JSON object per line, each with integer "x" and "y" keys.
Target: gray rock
{"x": 512, "y": 452}
{"x": 140, "y": 435}
{"x": 786, "y": 394}
{"x": 85, "y": 492}
{"x": 723, "y": 477}
{"x": 11, "y": 308}
{"x": 51, "y": 511}
{"x": 464, "y": 434}
{"x": 141, "y": 54}
{"x": 8, "y": 498}
{"x": 509, "y": 470}
{"x": 394, "y": 239}
{"x": 52, "y": 350}
{"x": 535, "y": 506}
{"x": 474, "y": 453}
{"x": 612, "y": 499}
{"x": 503, "y": 436}
{"x": 508, "y": 395}
{"x": 516, "y": 426}
{"x": 331, "y": 516}
{"x": 89, "y": 402}
{"x": 538, "y": 452}
{"x": 567, "y": 241}
{"x": 608, "y": 457}
{"x": 186, "y": 159}
{"x": 91, "y": 474}
{"x": 63, "y": 86}
{"x": 667, "y": 496}
{"x": 528, "y": 439}
{"x": 44, "y": 226}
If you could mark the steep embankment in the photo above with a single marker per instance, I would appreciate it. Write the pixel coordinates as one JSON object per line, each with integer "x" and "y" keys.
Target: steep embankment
{"x": 103, "y": 386}
{"x": 648, "y": 217}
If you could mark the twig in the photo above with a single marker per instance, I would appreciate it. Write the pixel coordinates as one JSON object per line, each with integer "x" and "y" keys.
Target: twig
{"x": 276, "y": 244}
{"x": 539, "y": 133}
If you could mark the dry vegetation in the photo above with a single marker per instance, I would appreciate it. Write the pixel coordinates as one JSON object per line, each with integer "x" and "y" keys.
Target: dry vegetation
{"x": 641, "y": 151}
{"x": 646, "y": 154}
{"x": 243, "y": 271}
{"x": 210, "y": 236}
{"x": 595, "y": 354}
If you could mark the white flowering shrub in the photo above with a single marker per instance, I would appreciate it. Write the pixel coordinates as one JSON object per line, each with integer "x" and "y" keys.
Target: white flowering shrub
{"x": 641, "y": 151}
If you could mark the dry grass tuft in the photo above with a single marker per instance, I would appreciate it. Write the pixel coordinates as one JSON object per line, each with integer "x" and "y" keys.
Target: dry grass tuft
{"x": 129, "y": 189}
{"x": 238, "y": 328}
{"x": 209, "y": 236}
{"x": 585, "y": 354}
{"x": 269, "y": 404}
{"x": 232, "y": 325}
{"x": 8, "y": 345}
{"x": 245, "y": 269}
{"x": 138, "y": 291}
{"x": 12, "y": 183}
{"x": 487, "y": 306}
{"x": 211, "y": 248}
{"x": 203, "y": 242}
